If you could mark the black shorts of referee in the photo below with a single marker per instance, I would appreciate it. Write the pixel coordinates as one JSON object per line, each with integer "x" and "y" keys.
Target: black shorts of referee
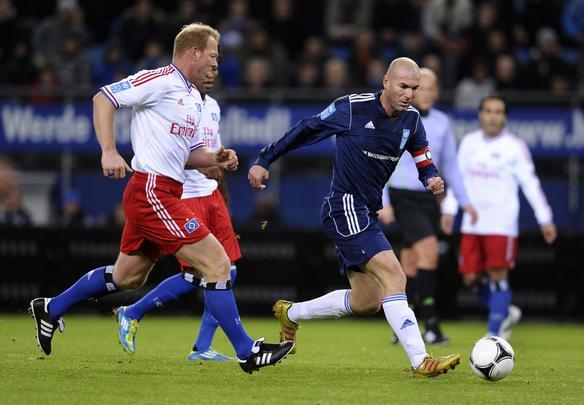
{"x": 417, "y": 214}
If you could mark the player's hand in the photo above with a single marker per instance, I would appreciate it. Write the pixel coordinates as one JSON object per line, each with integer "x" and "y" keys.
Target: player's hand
{"x": 446, "y": 223}
{"x": 471, "y": 210}
{"x": 256, "y": 176}
{"x": 114, "y": 166}
{"x": 386, "y": 215}
{"x": 212, "y": 172}
{"x": 435, "y": 185}
{"x": 227, "y": 159}
{"x": 549, "y": 233}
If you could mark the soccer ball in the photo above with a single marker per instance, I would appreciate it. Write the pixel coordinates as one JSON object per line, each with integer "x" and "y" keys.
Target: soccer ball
{"x": 492, "y": 358}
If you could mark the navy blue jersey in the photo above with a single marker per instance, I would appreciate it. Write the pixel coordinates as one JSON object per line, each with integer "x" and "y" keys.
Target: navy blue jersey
{"x": 369, "y": 144}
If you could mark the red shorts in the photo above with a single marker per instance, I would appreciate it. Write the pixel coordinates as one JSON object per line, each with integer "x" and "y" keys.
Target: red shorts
{"x": 214, "y": 213}
{"x": 479, "y": 253}
{"x": 157, "y": 220}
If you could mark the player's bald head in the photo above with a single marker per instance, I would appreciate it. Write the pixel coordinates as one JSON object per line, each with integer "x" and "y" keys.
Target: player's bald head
{"x": 429, "y": 75}
{"x": 402, "y": 66}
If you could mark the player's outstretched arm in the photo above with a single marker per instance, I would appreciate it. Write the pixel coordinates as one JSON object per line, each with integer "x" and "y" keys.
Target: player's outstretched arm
{"x": 204, "y": 157}
{"x": 256, "y": 176}
{"x": 112, "y": 163}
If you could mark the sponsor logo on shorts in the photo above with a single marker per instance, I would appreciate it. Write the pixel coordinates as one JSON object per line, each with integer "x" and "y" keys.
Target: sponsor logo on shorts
{"x": 191, "y": 225}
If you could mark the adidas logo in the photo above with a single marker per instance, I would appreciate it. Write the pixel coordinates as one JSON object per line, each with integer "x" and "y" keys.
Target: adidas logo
{"x": 406, "y": 323}
{"x": 370, "y": 125}
{"x": 264, "y": 359}
{"x": 181, "y": 102}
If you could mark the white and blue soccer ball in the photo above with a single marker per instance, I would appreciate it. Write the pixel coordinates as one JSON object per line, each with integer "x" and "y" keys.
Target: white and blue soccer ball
{"x": 492, "y": 358}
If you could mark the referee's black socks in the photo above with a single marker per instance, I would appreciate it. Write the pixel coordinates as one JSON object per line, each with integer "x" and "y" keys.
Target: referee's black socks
{"x": 426, "y": 286}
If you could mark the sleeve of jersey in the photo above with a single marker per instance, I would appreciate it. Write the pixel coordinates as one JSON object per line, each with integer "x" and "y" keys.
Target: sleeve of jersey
{"x": 418, "y": 148}
{"x": 140, "y": 89}
{"x": 333, "y": 120}
{"x": 449, "y": 167}
{"x": 531, "y": 187}
{"x": 385, "y": 199}
{"x": 449, "y": 204}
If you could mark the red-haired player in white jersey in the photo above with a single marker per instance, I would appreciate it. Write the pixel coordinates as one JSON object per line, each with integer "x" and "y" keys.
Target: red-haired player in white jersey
{"x": 205, "y": 192}
{"x": 494, "y": 163}
{"x": 166, "y": 114}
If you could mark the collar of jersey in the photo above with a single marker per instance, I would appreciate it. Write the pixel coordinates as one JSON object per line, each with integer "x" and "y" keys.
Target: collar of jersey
{"x": 187, "y": 84}
{"x": 379, "y": 106}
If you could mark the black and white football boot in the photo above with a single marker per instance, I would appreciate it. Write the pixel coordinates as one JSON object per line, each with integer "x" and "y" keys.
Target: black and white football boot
{"x": 265, "y": 354}
{"x": 45, "y": 326}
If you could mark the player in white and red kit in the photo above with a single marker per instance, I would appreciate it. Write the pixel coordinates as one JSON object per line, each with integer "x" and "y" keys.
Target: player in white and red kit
{"x": 202, "y": 194}
{"x": 494, "y": 163}
{"x": 166, "y": 114}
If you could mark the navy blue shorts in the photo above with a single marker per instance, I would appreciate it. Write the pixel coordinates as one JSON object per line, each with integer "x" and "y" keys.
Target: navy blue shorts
{"x": 354, "y": 230}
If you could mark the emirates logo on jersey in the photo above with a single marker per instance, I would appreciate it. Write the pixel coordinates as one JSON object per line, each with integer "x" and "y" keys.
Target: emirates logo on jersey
{"x": 182, "y": 130}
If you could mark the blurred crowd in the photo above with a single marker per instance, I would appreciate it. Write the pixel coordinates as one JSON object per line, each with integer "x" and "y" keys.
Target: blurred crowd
{"x": 474, "y": 46}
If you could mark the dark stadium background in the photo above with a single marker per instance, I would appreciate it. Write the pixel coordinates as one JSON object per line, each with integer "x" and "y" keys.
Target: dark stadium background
{"x": 281, "y": 60}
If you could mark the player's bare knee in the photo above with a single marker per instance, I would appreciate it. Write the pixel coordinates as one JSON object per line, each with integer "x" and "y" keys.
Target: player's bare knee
{"x": 216, "y": 268}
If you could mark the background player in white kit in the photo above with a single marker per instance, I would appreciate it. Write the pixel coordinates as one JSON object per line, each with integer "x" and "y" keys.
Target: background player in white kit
{"x": 201, "y": 192}
{"x": 494, "y": 163}
{"x": 166, "y": 114}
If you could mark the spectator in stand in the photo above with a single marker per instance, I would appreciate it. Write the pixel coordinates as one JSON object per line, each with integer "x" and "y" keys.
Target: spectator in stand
{"x": 412, "y": 45}
{"x": 18, "y": 69}
{"x": 258, "y": 74}
{"x": 546, "y": 59}
{"x": 12, "y": 212}
{"x": 50, "y": 34}
{"x": 154, "y": 56}
{"x": 433, "y": 62}
{"x": 113, "y": 67}
{"x": 389, "y": 18}
{"x": 315, "y": 51}
{"x": 363, "y": 52}
{"x": 507, "y": 76}
{"x": 573, "y": 20}
{"x": 344, "y": 18}
{"x": 336, "y": 75}
{"x": 485, "y": 22}
{"x": 141, "y": 24}
{"x": 307, "y": 75}
{"x": 45, "y": 89}
{"x": 72, "y": 66}
{"x": 443, "y": 22}
{"x": 258, "y": 45}
{"x": 471, "y": 90}
{"x": 286, "y": 27}
{"x": 9, "y": 32}
{"x": 376, "y": 69}
{"x": 73, "y": 215}
{"x": 235, "y": 25}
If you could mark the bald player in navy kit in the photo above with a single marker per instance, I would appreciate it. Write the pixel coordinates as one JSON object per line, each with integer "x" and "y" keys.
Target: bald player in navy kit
{"x": 372, "y": 132}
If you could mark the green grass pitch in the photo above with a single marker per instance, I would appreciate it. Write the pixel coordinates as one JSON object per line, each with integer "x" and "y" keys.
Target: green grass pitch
{"x": 345, "y": 361}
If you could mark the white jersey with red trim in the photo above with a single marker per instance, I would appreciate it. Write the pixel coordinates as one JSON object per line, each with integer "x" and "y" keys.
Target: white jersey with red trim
{"x": 493, "y": 169}
{"x": 166, "y": 113}
{"x": 196, "y": 183}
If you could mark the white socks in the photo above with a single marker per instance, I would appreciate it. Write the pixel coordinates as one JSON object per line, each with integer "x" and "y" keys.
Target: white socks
{"x": 332, "y": 305}
{"x": 405, "y": 325}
